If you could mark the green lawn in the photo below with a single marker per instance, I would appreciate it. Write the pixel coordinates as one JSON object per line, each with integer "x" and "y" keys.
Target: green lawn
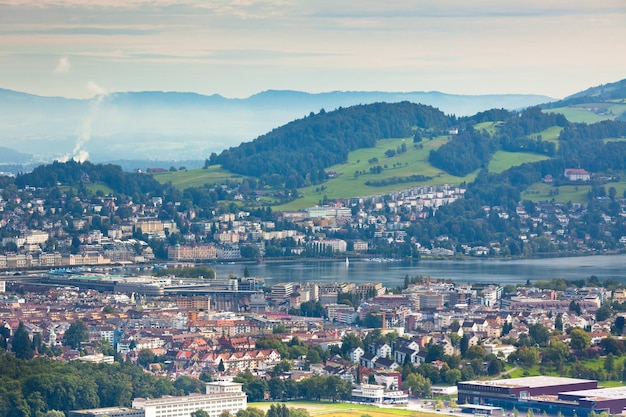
{"x": 197, "y": 177}
{"x": 338, "y": 409}
{"x": 94, "y": 188}
{"x": 503, "y": 160}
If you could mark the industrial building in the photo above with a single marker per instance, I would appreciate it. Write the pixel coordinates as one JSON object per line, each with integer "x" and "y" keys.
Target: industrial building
{"x": 569, "y": 396}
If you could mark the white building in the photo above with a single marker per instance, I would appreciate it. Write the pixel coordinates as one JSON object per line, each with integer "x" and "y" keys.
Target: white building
{"x": 220, "y": 396}
{"x": 377, "y": 394}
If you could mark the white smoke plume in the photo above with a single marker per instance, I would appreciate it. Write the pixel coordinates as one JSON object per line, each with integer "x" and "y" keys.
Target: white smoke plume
{"x": 79, "y": 154}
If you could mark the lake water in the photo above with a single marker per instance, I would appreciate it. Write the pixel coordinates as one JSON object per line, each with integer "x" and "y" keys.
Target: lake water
{"x": 472, "y": 270}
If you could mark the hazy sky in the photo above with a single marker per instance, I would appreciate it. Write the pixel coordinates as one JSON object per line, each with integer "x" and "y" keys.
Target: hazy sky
{"x": 77, "y": 48}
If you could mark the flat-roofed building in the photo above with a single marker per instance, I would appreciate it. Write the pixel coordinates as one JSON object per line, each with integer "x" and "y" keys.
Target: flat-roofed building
{"x": 552, "y": 395}
{"x": 108, "y": 412}
{"x": 220, "y": 396}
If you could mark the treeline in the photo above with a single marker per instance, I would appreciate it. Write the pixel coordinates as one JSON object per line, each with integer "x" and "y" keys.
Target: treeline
{"x": 307, "y": 146}
{"x": 34, "y": 387}
{"x": 397, "y": 180}
{"x": 72, "y": 173}
{"x": 472, "y": 149}
{"x": 464, "y": 153}
{"x": 314, "y": 388}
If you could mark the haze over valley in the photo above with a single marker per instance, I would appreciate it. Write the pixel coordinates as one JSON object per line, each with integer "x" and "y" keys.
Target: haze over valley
{"x": 175, "y": 126}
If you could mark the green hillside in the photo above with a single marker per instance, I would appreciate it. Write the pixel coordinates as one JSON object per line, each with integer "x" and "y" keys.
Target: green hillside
{"x": 197, "y": 177}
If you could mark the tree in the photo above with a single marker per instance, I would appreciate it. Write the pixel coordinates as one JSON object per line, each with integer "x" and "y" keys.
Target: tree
{"x": 188, "y": 385}
{"x": 249, "y": 252}
{"x": 579, "y": 339}
{"x": 199, "y": 413}
{"x": 21, "y": 345}
{"x": 145, "y": 357}
{"x": 539, "y": 333}
{"x": 76, "y": 334}
{"x": 418, "y": 384}
{"x": 604, "y": 312}
{"x": 609, "y": 363}
{"x": 54, "y": 413}
{"x": 276, "y": 388}
{"x": 279, "y": 328}
{"x": 528, "y": 356}
{"x": 220, "y": 366}
{"x": 618, "y": 326}
{"x": 575, "y": 307}
{"x": 349, "y": 342}
{"x": 476, "y": 352}
{"x": 256, "y": 390}
{"x": 464, "y": 345}
{"x": 558, "y": 322}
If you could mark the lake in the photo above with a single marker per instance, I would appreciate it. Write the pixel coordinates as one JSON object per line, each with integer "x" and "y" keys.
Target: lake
{"x": 470, "y": 270}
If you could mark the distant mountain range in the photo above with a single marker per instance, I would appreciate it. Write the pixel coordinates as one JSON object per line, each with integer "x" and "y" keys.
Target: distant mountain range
{"x": 173, "y": 126}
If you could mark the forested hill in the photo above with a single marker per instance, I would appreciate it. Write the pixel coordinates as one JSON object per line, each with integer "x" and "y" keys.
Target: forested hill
{"x": 307, "y": 146}
{"x": 600, "y": 94}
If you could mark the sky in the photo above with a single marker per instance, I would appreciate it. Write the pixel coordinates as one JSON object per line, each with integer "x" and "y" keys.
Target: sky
{"x": 82, "y": 48}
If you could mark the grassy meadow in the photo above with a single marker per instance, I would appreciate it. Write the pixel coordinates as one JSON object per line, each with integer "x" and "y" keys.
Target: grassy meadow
{"x": 349, "y": 184}
{"x": 503, "y": 160}
{"x": 331, "y": 409}
{"x": 573, "y": 193}
{"x": 591, "y": 112}
{"x": 196, "y": 177}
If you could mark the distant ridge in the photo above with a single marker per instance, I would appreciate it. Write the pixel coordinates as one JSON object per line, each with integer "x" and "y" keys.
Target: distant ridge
{"x": 160, "y": 125}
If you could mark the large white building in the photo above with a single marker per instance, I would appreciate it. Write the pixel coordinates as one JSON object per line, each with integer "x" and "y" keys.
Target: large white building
{"x": 220, "y": 396}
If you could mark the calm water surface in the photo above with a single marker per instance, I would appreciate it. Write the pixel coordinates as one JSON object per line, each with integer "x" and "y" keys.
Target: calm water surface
{"x": 392, "y": 273}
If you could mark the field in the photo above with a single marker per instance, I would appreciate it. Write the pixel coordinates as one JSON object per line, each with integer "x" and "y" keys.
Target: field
{"x": 503, "y": 160}
{"x": 591, "y": 112}
{"x": 351, "y": 177}
{"x": 573, "y": 193}
{"x": 196, "y": 177}
{"x": 348, "y": 184}
{"x": 331, "y": 409}
{"x": 551, "y": 134}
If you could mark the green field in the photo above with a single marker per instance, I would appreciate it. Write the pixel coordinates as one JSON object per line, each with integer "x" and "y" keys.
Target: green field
{"x": 489, "y": 127}
{"x": 573, "y": 193}
{"x": 94, "y": 188}
{"x": 551, "y": 134}
{"x": 503, "y": 160}
{"x": 197, "y": 177}
{"x": 330, "y": 409}
{"x": 546, "y": 192}
{"x": 347, "y": 184}
{"x": 592, "y": 112}
{"x": 351, "y": 176}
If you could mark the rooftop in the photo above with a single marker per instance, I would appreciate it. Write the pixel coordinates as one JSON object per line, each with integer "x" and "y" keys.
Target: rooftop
{"x": 601, "y": 394}
{"x": 532, "y": 382}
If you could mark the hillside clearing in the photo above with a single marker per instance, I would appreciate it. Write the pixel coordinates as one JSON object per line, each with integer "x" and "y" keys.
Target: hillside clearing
{"x": 503, "y": 160}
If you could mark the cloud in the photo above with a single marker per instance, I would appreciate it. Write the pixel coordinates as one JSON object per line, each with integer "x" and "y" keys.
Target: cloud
{"x": 63, "y": 65}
